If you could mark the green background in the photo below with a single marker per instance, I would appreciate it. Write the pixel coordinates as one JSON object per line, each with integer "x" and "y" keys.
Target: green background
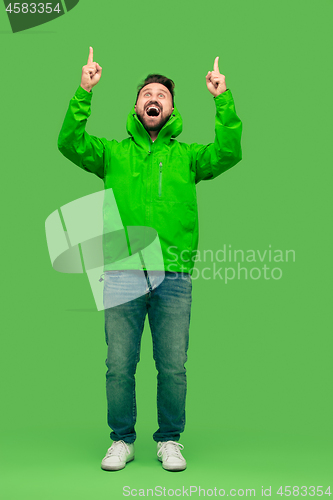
{"x": 259, "y": 407}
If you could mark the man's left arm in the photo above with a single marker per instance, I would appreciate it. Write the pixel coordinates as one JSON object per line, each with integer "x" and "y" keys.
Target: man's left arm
{"x": 214, "y": 159}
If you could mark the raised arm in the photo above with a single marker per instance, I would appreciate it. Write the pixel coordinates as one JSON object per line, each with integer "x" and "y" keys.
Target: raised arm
{"x": 213, "y": 159}
{"x": 74, "y": 142}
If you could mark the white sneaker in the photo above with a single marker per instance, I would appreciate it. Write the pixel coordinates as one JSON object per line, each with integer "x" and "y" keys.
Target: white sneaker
{"x": 118, "y": 455}
{"x": 168, "y": 452}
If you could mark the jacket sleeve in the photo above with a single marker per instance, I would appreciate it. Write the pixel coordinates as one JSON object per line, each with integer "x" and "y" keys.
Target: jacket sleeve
{"x": 215, "y": 158}
{"x": 86, "y": 151}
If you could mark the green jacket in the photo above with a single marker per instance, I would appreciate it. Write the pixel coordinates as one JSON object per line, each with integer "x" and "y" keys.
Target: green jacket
{"x": 154, "y": 183}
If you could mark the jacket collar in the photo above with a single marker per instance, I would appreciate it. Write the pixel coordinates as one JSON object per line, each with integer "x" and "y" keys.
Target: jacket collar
{"x": 172, "y": 128}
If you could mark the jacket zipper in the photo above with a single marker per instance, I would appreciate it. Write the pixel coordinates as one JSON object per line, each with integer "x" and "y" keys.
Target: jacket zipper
{"x": 147, "y": 214}
{"x": 160, "y": 181}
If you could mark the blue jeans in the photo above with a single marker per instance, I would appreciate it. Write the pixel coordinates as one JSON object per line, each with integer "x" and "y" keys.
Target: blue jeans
{"x": 168, "y": 305}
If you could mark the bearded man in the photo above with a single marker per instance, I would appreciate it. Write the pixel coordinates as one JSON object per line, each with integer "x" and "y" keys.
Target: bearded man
{"x": 153, "y": 178}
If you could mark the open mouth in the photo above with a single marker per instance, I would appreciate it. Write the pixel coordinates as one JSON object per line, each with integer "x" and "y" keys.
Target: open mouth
{"x": 153, "y": 111}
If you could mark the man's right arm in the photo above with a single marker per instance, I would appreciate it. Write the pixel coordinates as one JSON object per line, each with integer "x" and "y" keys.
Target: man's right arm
{"x": 74, "y": 142}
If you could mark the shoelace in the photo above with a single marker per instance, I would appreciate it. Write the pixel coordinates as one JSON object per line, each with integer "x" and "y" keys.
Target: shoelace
{"x": 170, "y": 448}
{"x": 118, "y": 448}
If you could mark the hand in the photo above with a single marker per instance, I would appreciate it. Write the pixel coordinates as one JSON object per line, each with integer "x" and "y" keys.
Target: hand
{"x": 215, "y": 81}
{"x": 91, "y": 73}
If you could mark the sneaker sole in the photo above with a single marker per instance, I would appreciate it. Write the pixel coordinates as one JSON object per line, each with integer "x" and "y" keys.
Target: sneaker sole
{"x": 116, "y": 467}
{"x": 172, "y": 468}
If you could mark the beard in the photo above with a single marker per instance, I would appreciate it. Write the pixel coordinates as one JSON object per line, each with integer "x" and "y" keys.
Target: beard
{"x": 154, "y": 125}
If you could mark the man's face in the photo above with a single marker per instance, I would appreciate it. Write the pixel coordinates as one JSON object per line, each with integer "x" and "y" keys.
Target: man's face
{"x": 154, "y": 106}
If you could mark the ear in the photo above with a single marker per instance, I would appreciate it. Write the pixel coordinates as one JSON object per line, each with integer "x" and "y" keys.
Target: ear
{"x": 135, "y": 108}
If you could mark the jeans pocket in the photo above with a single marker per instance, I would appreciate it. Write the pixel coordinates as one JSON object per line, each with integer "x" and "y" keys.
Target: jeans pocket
{"x": 187, "y": 277}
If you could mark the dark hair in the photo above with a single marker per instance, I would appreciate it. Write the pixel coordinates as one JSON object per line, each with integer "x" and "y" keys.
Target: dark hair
{"x": 163, "y": 80}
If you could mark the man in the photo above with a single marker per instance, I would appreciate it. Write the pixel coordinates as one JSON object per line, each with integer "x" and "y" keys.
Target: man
{"x": 153, "y": 179}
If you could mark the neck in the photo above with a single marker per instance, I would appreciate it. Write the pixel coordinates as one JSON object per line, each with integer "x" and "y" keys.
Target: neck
{"x": 153, "y": 135}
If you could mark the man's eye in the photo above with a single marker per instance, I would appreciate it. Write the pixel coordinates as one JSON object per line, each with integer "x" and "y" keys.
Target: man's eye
{"x": 147, "y": 93}
{"x": 161, "y": 95}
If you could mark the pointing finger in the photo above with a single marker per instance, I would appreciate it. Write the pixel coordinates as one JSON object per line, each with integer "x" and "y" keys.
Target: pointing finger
{"x": 216, "y": 65}
{"x": 91, "y": 55}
